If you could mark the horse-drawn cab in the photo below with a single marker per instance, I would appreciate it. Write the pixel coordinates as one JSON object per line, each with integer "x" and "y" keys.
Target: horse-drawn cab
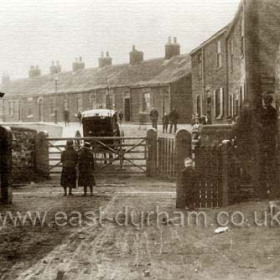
{"x": 99, "y": 123}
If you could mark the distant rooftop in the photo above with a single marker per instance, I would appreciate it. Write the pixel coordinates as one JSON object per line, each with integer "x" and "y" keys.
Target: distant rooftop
{"x": 147, "y": 73}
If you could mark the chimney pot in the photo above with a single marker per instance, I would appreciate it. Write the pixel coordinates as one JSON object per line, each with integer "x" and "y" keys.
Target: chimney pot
{"x": 81, "y": 59}
{"x": 135, "y": 56}
{"x": 172, "y": 49}
{"x": 107, "y": 54}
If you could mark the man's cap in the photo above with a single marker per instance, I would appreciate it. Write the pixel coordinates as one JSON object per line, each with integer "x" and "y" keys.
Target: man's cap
{"x": 87, "y": 145}
{"x": 2, "y": 94}
{"x": 267, "y": 98}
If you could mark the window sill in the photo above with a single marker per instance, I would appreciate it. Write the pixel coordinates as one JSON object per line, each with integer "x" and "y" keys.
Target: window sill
{"x": 30, "y": 116}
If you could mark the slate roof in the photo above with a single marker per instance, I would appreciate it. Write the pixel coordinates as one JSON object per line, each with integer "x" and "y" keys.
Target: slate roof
{"x": 147, "y": 73}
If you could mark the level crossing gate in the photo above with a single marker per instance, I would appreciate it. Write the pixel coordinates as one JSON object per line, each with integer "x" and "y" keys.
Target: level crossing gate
{"x": 113, "y": 155}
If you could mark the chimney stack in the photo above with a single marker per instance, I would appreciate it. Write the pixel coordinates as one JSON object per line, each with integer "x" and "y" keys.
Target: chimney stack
{"x": 34, "y": 71}
{"x": 105, "y": 61}
{"x": 78, "y": 64}
{"x": 54, "y": 69}
{"x": 135, "y": 56}
{"x": 172, "y": 49}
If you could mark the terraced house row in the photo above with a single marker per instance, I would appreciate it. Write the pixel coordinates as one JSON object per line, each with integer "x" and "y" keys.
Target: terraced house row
{"x": 236, "y": 63}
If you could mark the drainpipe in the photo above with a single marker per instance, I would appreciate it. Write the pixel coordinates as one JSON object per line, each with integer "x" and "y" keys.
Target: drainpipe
{"x": 170, "y": 101}
{"x": 204, "y": 106}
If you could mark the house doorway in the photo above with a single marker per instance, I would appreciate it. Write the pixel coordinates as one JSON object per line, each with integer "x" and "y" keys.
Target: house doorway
{"x": 209, "y": 110}
{"x": 40, "y": 109}
{"x": 127, "y": 109}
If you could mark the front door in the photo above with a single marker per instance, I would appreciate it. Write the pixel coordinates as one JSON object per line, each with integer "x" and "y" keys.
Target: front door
{"x": 40, "y": 110}
{"x": 209, "y": 110}
{"x": 127, "y": 109}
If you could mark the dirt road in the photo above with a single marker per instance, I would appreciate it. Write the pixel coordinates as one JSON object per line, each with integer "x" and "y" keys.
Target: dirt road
{"x": 131, "y": 230}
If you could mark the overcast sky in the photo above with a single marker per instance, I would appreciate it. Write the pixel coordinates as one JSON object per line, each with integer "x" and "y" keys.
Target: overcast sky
{"x": 35, "y": 32}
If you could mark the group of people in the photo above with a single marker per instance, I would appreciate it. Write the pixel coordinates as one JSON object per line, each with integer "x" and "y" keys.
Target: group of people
{"x": 81, "y": 162}
{"x": 167, "y": 119}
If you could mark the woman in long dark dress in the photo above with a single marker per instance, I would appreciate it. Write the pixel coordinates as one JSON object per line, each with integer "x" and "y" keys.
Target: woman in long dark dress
{"x": 69, "y": 159}
{"x": 86, "y": 169}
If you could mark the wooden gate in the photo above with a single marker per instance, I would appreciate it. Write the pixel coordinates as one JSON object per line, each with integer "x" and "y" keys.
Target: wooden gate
{"x": 113, "y": 155}
{"x": 166, "y": 157}
{"x": 209, "y": 188}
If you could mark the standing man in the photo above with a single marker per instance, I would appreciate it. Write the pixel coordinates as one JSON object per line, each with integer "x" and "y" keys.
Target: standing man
{"x": 154, "y": 117}
{"x": 69, "y": 159}
{"x": 66, "y": 117}
{"x": 173, "y": 118}
{"x": 121, "y": 116}
{"x": 80, "y": 117}
{"x": 268, "y": 123}
{"x": 86, "y": 169}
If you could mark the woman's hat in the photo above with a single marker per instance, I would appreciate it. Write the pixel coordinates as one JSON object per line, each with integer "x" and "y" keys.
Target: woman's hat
{"x": 69, "y": 143}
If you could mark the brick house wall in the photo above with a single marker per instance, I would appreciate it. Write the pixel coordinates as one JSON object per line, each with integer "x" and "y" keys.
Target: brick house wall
{"x": 197, "y": 82}
{"x": 236, "y": 65}
{"x": 209, "y": 81}
{"x": 265, "y": 16}
{"x": 181, "y": 99}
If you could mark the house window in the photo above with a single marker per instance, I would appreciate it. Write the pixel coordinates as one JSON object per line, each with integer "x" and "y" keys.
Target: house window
{"x": 198, "y": 105}
{"x": 11, "y": 107}
{"x": 29, "y": 107}
{"x": 146, "y": 102}
{"x": 241, "y": 96}
{"x": 52, "y": 106}
{"x": 219, "y": 103}
{"x": 242, "y": 32}
{"x": 66, "y": 103}
{"x": 231, "y": 54}
{"x": 219, "y": 53}
{"x": 79, "y": 103}
{"x": 236, "y": 104}
{"x": 93, "y": 100}
{"x": 231, "y": 113}
{"x": 199, "y": 65}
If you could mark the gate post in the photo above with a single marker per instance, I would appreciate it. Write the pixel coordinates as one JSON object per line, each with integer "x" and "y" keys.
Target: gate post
{"x": 225, "y": 172}
{"x": 183, "y": 144}
{"x": 42, "y": 154}
{"x": 6, "y": 164}
{"x": 152, "y": 152}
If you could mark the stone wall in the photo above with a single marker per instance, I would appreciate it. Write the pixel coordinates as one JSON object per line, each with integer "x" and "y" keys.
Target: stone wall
{"x": 23, "y": 154}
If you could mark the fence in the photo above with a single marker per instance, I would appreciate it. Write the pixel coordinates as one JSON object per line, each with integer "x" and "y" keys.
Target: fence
{"x": 113, "y": 155}
{"x": 6, "y": 164}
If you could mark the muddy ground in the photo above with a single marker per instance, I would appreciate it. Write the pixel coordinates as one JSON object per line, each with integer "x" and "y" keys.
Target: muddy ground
{"x": 130, "y": 229}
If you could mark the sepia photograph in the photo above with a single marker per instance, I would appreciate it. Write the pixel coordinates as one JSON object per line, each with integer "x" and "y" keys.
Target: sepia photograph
{"x": 139, "y": 140}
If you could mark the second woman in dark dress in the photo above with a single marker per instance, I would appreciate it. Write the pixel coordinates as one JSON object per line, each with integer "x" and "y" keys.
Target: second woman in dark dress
{"x": 86, "y": 169}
